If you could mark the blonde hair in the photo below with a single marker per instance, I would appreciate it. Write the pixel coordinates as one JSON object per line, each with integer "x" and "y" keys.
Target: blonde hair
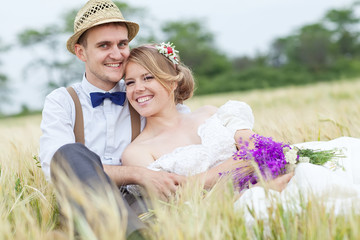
{"x": 165, "y": 71}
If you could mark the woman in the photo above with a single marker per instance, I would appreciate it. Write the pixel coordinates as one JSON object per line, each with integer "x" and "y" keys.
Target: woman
{"x": 203, "y": 142}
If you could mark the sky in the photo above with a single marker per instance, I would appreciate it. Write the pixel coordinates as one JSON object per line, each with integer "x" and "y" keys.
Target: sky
{"x": 240, "y": 27}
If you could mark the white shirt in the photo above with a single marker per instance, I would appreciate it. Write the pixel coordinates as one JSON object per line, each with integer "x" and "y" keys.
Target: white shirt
{"x": 107, "y": 127}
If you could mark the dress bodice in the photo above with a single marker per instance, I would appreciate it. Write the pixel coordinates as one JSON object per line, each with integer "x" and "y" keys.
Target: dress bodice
{"x": 217, "y": 142}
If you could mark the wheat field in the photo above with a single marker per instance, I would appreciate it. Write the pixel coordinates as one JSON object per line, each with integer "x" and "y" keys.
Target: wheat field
{"x": 325, "y": 111}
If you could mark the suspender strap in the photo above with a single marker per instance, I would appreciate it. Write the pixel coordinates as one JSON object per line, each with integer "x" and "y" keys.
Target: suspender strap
{"x": 135, "y": 122}
{"x": 79, "y": 120}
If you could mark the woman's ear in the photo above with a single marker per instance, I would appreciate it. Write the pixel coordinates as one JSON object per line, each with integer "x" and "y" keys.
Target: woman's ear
{"x": 80, "y": 52}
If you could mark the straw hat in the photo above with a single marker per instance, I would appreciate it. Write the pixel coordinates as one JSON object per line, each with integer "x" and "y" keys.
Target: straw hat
{"x": 94, "y": 13}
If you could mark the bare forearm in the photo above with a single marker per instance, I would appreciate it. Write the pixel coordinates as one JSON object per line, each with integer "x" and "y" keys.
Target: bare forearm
{"x": 124, "y": 175}
{"x": 244, "y": 136}
{"x": 211, "y": 176}
{"x": 163, "y": 184}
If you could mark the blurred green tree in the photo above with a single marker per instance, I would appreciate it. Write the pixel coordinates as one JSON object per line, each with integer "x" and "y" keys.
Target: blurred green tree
{"x": 48, "y": 48}
{"x": 279, "y": 51}
{"x": 197, "y": 47}
{"x": 312, "y": 48}
{"x": 344, "y": 26}
{"x": 243, "y": 62}
{"x": 198, "y": 50}
{"x": 309, "y": 48}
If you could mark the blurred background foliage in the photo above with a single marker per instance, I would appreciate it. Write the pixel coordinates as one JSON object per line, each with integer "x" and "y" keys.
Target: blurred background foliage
{"x": 326, "y": 50}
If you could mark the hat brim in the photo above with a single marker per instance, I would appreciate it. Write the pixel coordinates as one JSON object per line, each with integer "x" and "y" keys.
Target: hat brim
{"x": 133, "y": 29}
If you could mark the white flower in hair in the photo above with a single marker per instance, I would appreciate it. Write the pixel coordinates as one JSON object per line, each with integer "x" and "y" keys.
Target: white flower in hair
{"x": 168, "y": 50}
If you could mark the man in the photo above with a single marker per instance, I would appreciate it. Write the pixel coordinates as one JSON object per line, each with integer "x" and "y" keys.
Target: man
{"x": 101, "y": 40}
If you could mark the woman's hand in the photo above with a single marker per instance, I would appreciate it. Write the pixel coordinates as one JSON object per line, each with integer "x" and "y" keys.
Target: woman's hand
{"x": 279, "y": 183}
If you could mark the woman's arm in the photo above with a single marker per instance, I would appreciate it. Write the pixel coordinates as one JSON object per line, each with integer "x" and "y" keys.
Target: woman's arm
{"x": 211, "y": 176}
{"x": 134, "y": 162}
{"x": 244, "y": 136}
{"x": 135, "y": 155}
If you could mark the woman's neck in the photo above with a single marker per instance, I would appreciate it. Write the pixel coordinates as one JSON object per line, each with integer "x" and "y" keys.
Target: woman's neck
{"x": 165, "y": 120}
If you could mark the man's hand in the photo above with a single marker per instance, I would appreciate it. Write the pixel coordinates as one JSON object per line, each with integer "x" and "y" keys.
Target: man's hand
{"x": 160, "y": 183}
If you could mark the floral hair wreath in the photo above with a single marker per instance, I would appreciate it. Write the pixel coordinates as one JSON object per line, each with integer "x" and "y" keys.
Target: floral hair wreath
{"x": 168, "y": 50}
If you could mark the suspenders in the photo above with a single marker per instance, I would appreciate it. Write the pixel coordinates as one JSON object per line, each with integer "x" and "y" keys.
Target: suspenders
{"x": 79, "y": 120}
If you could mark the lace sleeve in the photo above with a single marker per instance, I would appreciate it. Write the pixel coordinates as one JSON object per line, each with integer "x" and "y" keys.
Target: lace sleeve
{"x": 236, "y": 115}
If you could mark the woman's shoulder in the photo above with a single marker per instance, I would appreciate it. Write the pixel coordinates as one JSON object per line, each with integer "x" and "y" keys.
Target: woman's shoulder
{"x": 229, "y": 106}
{"x": 132, "y": 148}
{"x": 200, "y": 115}
{"x": 136, "y": 153}
{"x": 206, "y": 110}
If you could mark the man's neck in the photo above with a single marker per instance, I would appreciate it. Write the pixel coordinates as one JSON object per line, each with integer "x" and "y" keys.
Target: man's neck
{"x": 106, "y": 86}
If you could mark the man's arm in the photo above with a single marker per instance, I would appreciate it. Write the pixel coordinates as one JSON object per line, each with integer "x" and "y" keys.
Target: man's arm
{"x": 56, "y": 126}
{"x": 134, "y": 171}
{"x": 161, "y": 183}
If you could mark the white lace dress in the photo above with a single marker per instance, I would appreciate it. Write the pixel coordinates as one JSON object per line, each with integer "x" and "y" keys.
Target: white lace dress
{"x": 217, "y": 137}
{"x": 217, "y": 142}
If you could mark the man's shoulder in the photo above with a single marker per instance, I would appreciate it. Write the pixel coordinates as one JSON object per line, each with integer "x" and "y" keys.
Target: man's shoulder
{"x": 58, "y": 92}
{"x": 60, "y": 98}
{"x": 61, "y": 92}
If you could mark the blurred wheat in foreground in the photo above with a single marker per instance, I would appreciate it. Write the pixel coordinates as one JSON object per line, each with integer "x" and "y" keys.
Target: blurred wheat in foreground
{"x": 28, "y": 208}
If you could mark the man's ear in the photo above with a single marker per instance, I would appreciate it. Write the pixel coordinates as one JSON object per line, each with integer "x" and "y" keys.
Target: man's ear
{"x": 80, "y": 52}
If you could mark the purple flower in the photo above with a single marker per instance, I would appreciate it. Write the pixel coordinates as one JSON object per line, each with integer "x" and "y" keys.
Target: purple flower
{"x": 267, "y": 154}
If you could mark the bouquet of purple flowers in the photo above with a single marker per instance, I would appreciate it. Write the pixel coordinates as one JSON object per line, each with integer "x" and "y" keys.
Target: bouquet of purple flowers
{"x": 272, "y": 159}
